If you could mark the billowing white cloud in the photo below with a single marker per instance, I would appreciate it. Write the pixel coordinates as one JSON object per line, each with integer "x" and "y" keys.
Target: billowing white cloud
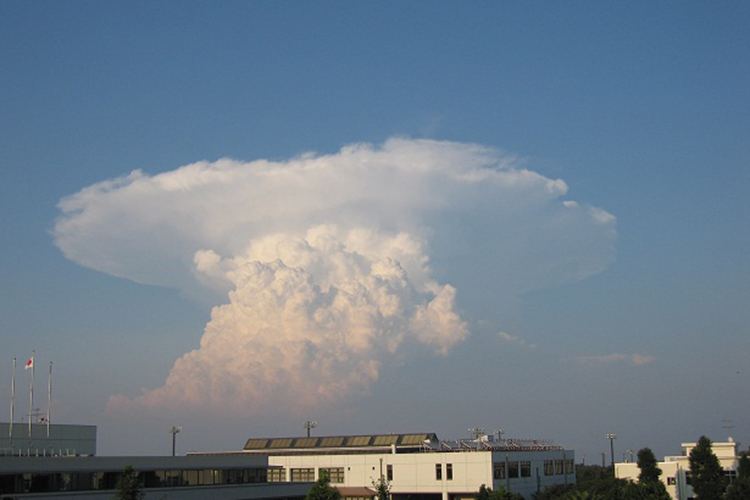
{"x": 327, "y": 260}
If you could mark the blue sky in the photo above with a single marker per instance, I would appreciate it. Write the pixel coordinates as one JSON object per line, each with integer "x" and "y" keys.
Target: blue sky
{"x": 641, "y": 109}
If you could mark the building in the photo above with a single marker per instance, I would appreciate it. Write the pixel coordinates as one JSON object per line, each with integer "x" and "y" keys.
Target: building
{"x": 220, "y": 477}
{"x": 47, "y": 440}
{"x": 58, "y": 461}
{"x": 418, "y": 466}
{"x": 675, "y": 470}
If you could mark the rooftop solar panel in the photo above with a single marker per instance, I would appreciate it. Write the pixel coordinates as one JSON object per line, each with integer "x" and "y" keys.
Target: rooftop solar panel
{"x": 413, "y": 438}
{"x": 358, "y": 441}
{"x": 385, "y": 440}
{"x": 332, "y": 441}
{"x": 281, "y": 443}
{"x": 305, "y": 442}
{"x": 255, "y": 444}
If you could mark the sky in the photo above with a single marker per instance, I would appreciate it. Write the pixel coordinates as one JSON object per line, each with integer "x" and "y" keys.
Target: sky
{"x": 386, "y": 217}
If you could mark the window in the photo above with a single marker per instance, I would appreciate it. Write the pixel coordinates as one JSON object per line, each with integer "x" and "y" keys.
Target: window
{"x": 569, "y": 467}
{"x": 525, "y": 469}
{"x": 449, "y": 472}
{"x": 306, "y": 475}
{"x": 389, "y": 472}
{"x": 549, "y": 467}
{"x": 688, "y": 478}
{"x": 671, "y": 481}
{"x": 558, "y": 466}
{"x": 335, "y": 474}
{"x": 512, "y": 469}
{"x": 276, "y": 475}
{"x": 498, "y": 470}
{"x": 438, "y": 472}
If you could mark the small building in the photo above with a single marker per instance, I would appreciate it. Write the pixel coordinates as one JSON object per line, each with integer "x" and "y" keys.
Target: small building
{"x": 418, "y": 466}
{"x": 675, "y": 470}
{"x": 45, "y": 440}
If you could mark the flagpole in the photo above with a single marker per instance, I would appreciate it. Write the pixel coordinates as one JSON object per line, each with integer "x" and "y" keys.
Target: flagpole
{"x": 12, "y": 401}
{"x": 49, "y": 396}
{"x": 31, "y": 391}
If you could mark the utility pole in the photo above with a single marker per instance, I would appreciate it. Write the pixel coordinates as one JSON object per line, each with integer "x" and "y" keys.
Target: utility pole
{"x": 612, "y": 438}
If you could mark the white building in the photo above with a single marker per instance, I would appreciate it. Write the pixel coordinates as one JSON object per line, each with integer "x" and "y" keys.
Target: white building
{"x": 418, "y": 466}
{"x": 675, "y": 470}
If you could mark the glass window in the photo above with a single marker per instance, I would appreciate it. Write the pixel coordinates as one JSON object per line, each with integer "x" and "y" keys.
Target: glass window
{"x": 512, "y": 469}
{"x": 498, "y": 470}
{"x": 449, "y": 472}
{"x": 277, "y": 475}
{"x": 526, "y": 469}
{"x": 389, "y": 472}
{"x": 303, "y": 475}
{"x": 335, "y": 474}
{"x": 569, "y": 467}
{"x": 549, "y": 467}
{"x": 190, "y": 477}
{"x": 438, "y": 472}
{"x": 173, "y": 478}
{"x": 558, "y": 466}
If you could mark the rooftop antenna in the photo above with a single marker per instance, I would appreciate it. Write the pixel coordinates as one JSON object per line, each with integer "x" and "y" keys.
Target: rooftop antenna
{"x": 728, "y": 426}
{"x": 499, "y": 433}
{"x": 309, "y": 424}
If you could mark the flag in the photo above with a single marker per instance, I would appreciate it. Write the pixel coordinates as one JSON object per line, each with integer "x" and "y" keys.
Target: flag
{"x": 29, "y": 363}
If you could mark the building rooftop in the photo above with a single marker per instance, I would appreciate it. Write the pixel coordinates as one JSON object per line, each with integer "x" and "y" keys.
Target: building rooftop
{"x": 401, "y": 443}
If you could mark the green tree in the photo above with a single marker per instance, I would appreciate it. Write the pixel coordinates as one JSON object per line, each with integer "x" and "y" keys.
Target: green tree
{"x": 705, "y": 470}
{"x": 486, "y": 493}
{"x": 743, "y": 467}
{"x": 322, "y": 489}
{"x": 647, "y": 463}
{"x": 128, "y": 486}
{"x": 483, "y": 493}
{"x": 740, "y": 488}
{"x": 382, "y": 489}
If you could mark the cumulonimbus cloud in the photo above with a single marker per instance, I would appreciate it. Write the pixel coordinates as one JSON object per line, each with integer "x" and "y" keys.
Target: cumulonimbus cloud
{"x": 326, "y": 260}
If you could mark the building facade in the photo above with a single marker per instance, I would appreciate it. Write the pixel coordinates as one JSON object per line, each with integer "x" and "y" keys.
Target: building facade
{"x": 217, "y": 477}
{"x": 675, "y": 470}
{"x": 418, "y": 466}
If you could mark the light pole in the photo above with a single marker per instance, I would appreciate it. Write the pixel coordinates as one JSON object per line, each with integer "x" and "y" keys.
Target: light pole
{"x": 612, "y": 438}
{"x": 477, "y": 432}
{"x": 309, "y": 424}
{"x": 174, "y": 430}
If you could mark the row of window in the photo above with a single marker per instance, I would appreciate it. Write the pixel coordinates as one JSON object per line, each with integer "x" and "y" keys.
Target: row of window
{"x": 448, "y": 472}
{"x": 85, "y": 481}
{"x": 557, "y": 467}
{"x": 307, "y": 474}
{"x": 523, "y": 468}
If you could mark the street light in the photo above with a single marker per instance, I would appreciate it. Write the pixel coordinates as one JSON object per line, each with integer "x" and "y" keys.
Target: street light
{"x": 309, "y": 424}
{"x": 612, "y": 438}
{"x": 174, "y": 430}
